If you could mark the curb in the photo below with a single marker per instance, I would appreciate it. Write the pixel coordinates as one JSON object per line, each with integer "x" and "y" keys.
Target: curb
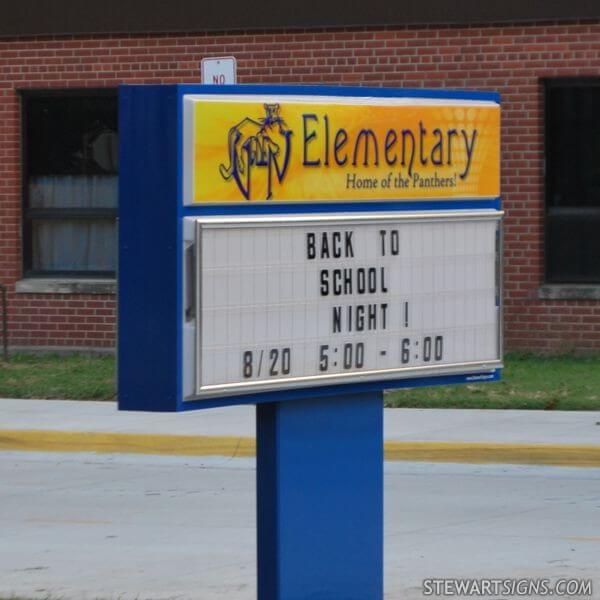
{"x": 34, "y": 440}
{"x": 558, "y": 455}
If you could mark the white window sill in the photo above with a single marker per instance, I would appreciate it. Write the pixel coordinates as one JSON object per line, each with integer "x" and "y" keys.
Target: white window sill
{"x": 52, "y": 285}
{"x": 569, "y": 291}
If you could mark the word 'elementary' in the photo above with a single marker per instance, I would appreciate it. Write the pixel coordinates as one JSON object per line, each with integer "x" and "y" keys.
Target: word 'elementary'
{"x": 405, "y": 147}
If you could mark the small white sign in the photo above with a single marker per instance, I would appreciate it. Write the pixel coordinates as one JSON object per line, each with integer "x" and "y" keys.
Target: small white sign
{"x": 219, "y": 71}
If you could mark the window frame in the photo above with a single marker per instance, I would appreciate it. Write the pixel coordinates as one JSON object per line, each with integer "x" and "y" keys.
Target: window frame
{"x": 28, "y": 214}
{"x": 550, "y": 83}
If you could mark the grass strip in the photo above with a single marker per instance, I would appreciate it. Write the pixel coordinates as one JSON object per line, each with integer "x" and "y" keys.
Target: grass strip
{"x": 528, "y": 382}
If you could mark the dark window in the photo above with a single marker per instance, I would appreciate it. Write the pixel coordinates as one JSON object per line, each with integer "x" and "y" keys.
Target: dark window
{"x": 573, "y": 180}
{"x": 70, "y": 183}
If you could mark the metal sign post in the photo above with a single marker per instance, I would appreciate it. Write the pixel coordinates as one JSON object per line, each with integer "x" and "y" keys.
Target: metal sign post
{"x": 320, "y": 498}
{"x": 315, "y": 246}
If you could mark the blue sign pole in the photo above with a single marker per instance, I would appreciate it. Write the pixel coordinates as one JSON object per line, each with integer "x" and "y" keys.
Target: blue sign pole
{"x": 320, "y": 498}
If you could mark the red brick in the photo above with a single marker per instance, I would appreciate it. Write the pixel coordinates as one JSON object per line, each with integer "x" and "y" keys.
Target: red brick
{"x": 510, "y": 58}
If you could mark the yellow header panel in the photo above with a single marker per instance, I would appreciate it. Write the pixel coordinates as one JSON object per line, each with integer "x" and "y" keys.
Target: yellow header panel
{"x": 305, "y": 150}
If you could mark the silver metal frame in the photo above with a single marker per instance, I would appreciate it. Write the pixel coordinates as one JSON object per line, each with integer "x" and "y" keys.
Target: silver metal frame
{"x": 500, "y": 275}
{"x": 248, "y": 387}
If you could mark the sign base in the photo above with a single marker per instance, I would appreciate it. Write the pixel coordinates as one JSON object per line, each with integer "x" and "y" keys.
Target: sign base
{"x": 320, "y": 498}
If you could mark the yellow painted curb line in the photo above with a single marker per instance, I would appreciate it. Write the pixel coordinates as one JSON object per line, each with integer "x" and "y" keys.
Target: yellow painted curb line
{"x": 191, "y": 445}
{"x": 35, "y": 440}
{"x": 566, "y": 455}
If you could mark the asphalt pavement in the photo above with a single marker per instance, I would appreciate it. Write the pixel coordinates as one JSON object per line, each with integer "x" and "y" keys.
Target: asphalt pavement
{"x": 98, "y": 504}
{"x": 140, "y": 527}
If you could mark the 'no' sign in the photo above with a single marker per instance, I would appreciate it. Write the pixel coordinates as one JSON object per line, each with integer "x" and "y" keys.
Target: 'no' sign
{"x": 219, "y": 71}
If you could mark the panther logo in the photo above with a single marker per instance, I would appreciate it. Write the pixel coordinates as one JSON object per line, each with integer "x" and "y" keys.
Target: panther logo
{"x": 258, "y": 143}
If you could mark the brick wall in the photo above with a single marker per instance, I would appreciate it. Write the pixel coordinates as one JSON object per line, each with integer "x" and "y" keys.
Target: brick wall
{"x": 508, "y": 58}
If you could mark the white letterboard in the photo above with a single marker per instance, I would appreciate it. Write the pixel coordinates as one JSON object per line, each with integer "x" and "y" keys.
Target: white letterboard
{"x": 324, "y": 299}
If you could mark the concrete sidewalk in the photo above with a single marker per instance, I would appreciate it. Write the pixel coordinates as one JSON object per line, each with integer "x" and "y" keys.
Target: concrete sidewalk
{"x": 473, "y": 436}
